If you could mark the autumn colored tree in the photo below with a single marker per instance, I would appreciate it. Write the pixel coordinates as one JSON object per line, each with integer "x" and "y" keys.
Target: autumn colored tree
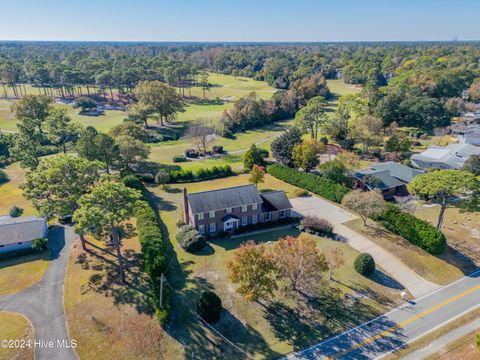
{"x": 252, "y": 269}
{"x": 335, "y": 259}
{"x": 306, "y": 154}
{"x": 299, "y": 262}
{"x": 257, "y": 175}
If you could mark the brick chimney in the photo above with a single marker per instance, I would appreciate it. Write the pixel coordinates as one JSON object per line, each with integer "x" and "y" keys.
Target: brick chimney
{"x": 185, "y": 206}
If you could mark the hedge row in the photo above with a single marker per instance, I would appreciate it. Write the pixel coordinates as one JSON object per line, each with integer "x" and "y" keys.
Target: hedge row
{"x": 202, "y": 174}
{"x": 153, "y": 248}
{"x": 319, "y": 185}
{"x": 418, "y": 232}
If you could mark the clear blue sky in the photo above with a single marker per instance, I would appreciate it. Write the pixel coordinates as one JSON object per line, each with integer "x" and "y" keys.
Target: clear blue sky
{"x": 240, "y": 20}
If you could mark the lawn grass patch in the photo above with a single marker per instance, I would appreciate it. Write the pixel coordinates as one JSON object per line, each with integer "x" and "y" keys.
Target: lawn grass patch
{"x": 16, "y": 327}
{"x": 11, "y": 194}
{"x": 430, "y": 267}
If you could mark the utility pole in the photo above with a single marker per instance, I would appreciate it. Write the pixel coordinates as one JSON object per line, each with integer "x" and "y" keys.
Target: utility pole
{"x": 162, "y": 279}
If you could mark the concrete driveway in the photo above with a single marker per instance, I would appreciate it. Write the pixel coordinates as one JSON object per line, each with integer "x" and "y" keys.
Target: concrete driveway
{"x": 315, "y": 206}
{"x": 42, "y": 303}
{"x": 393, "y": 266}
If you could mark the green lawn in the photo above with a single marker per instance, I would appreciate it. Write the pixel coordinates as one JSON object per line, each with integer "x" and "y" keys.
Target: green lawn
{"x": 339, "y": 88}
{"x": 11, "y": 194}
{"x": 265, "y": 332}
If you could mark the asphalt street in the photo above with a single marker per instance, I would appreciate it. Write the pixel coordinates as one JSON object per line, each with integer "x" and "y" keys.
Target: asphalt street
{"x": 42, "y": 303}
{"x": 400, "y": 326}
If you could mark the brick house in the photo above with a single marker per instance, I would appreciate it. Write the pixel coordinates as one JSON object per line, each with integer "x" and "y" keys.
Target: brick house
{"x": 225, "y": 210}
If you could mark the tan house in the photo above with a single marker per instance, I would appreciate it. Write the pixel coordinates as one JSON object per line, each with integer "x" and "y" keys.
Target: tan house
{"x": 226, "y": 210}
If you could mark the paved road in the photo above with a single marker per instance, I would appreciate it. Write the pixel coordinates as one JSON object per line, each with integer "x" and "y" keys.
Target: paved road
{"x": 439, "y": 344}
{"x": 409, "y": 279}
{"x": 42, "y": 303}
{"x": 383, "y": 335}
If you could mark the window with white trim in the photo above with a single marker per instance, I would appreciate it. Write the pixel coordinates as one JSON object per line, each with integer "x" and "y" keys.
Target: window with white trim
{"x": 244, "y": 221}
{"x": 283, "y": 214}
{"x": 213, "y": 227}
{"x": 201, "y": 229}
{"x": 267, "y": 216}
{"x": 254, "y": 219}
{"x": 244, "y": 208}
{"x": 228, "y": 210}
{"x": 200, "y": 216}
{"x": 212, "y": 214}
{"x": 254, "y": 206}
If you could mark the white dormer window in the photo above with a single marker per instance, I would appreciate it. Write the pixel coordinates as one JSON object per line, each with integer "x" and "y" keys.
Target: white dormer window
{"x": 229, "y": 210}
{"x": 212, "y": 214}
{"x": 254, "y": 206}
{"x": 244, "y": 208}
{"x": 200, "y": 216}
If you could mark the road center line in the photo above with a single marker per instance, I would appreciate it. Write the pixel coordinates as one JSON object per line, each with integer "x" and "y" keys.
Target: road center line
{"x": 406, "y": 322}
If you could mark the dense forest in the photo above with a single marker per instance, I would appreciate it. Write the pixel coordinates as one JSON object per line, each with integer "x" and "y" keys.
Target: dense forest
{"x": 422, "y": 85}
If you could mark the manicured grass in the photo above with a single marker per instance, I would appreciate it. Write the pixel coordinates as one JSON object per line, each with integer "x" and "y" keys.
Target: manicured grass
{"x": 11, "y": 194}
{"x": 22, "y": 271}
{"x": 164, "y": 152}
{"x": 15, "y": 327}
{"x": 339, "y": 88}
{"x": 109, "y": 320}
{"x": 430, "y": 267}
{"x": 462, "y": 230}
{"x": 262, "y": 331}
{"x": 233, "y": 87}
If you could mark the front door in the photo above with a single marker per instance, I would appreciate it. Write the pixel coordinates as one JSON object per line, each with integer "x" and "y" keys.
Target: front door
{"x": 229, "y": 225}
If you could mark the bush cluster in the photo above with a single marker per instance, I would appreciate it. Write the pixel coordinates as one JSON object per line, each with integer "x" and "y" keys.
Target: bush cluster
{"x": 153, "y": 246}
{"x": 364, "y": 264}
{"x": 215, "y": 172}
{"x": 418, "y": 232}
{"x": 317, "y": 184}
{"x": 218, "y": 149}
{"x": 190, "y": 239}
{"x": 179, "y": 158}
{"x": 3, "y": 177}
{"x": 317, "y": 226}
{"x": 262, "y": 226}
{"x": 209, "y": 306}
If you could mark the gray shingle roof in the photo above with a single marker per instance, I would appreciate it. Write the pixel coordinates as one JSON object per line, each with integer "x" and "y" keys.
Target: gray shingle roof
{"x": 223, "y": 198}
{"x": 399, "y": 171}
{"x": 385, "y": 180}
{"x": 21, "y": 229}
{"x": 276, "y": 200}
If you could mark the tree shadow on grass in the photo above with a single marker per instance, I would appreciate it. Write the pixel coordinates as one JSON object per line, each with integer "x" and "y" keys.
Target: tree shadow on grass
{"x": 321, "y": 316}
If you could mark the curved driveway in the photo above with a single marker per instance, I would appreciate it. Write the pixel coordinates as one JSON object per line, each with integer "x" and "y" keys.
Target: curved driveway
{"x": 42, "y": 303}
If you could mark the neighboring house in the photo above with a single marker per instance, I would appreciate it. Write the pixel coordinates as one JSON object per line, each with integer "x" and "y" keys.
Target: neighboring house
{"x": 452, "y": 156}
{"x": 390, "y": 178}
{"x": 18, "y": 233}
{"x": 225, "y": 210}
{"x": 472, "y": 138}
{"x": 471, "y": 117}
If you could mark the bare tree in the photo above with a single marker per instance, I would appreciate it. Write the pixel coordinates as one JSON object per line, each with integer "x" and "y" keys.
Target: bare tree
{"x": 202, "y": 134}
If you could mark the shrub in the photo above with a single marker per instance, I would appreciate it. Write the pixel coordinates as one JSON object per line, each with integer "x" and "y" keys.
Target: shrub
{"x": 218, "y": 149}
{"x": 153, "y": 247}
{"x": 300, "y": 193}
{"x": 15, "y": 211}
{"x": 364, "y": 264}
{"x": 319, "y": 185}
{"x": 317, "y": 226}
{"x": 418, "y": 232}
{"x": 191, "y": 153}
{"x": 201, "y": 174}
{"x": 179, "y": 158}
{"x": 190, "y": 239}
{"x": 477, "y": 341}
{"x": 180, "y": 223}
{"x": 324, "y": 140}
{"x": 3, "y": 177}
{"x": 209, "y": 306}
{"x": 147, "y": 177}
{"x": 40, "y": 244}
